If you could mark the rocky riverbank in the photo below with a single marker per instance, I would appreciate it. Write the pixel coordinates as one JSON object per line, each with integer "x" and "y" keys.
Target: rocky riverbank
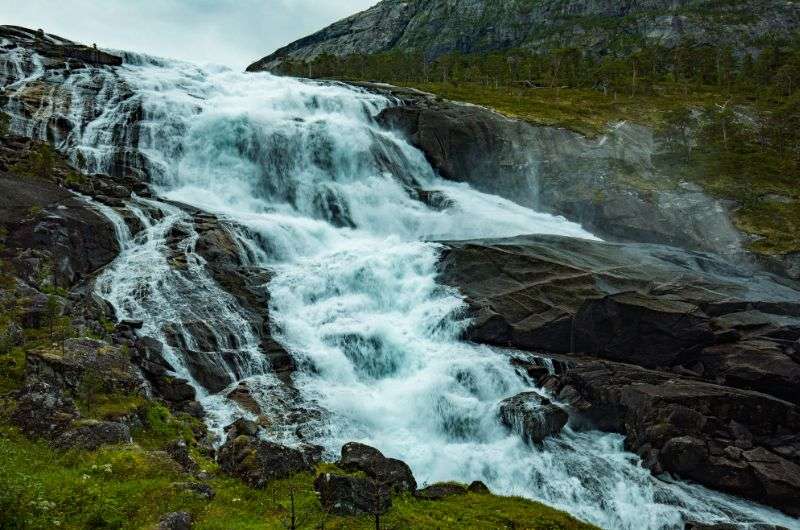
{"x": 695, "y": 360}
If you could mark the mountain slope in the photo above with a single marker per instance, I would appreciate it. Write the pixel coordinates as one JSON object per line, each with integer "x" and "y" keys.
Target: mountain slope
{"x": 437, "y": 27}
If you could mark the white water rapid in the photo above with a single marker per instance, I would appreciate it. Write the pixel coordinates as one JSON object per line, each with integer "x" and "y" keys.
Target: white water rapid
{"x": 317, "y": 192}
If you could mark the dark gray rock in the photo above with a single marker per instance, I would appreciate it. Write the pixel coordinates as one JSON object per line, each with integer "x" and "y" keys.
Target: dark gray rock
{"x": 176, "y": 521}
{"x": 348, "y": 495}
{"x": 90, "y": 435}
{"x": 439, "y": 491}
{"x": 389, "y": 472}
{"x": 532, "y": 416}
{"x": 174, "y": 389}
{"x": 43, "y": 410}
{"x": 743, "y": 442}
{"x": 257, "y": 462}
{"x": 198, "y": 488}
{"x": 648, "y": 305}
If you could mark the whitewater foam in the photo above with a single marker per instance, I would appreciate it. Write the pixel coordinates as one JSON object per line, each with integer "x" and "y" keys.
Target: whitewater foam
{"x": 316, "y": 191}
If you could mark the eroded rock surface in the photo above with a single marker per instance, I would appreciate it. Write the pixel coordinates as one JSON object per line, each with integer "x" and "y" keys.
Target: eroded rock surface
{"x": 649, "y": 305}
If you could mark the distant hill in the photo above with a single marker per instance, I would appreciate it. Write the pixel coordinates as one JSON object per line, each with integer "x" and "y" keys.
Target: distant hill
{"x": 438, "y": 27}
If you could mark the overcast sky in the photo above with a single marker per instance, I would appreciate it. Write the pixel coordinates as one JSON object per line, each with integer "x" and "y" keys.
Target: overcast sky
{"x": 230, "y": 32}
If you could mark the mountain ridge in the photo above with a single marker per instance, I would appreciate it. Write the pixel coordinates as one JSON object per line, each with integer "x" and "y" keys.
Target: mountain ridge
{"x": 437, "y": 27}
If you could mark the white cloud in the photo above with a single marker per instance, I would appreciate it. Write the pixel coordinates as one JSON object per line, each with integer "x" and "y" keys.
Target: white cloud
{"x": 231, "y": 32}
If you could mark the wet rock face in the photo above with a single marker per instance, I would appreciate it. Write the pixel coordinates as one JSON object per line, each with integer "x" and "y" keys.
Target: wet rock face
{"x": 389, "y": 472}
{"x": 739, "y": 441}
{"x": 564, "y": 173}
{"x": 58, "y": 49}
{"x": 532, "y": 416}
{"x": 40, "y": 216}
{"x": 42, "y": 107}
{"x": 348, "y": 495}
{"x": 648, "y": 305}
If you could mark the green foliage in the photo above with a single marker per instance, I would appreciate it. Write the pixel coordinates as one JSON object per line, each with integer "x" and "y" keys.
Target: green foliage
{"x": 5, "y": 124}
{"x": 40, "y": 163}
{"x": 128, "y": 487}
{"x": 75, "y": 179}
{"x": 161, "y": 426}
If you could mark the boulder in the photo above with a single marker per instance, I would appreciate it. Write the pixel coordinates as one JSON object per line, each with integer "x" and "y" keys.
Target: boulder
{"x": 43, "y": 410}
{"x": 389, "y": 472}
{"x": 479, "y": 488}
{"x": 178, "y": 451}
{"x": 244, "y": 398}
{"x": 242, "y": 427}
{"x": 89, "y": 435}
{"x": 441, "y": 490}
{"x": 176, "y": 521}
{"x": 532, "y": 416}
{"x": 174, "y": 389}
{"x": 348, "y": 495}
{"x": 257, "y": 462}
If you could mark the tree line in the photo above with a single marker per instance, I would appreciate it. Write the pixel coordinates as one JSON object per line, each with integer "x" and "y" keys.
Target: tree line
{"x": 688, "y": 65}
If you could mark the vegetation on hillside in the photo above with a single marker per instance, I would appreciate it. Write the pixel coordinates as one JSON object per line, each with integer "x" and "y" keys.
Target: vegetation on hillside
{"x": 729, "y": 122}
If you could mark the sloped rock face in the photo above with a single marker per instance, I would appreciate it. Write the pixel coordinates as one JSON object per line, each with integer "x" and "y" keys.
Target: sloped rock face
{"x": 39, "y": 215}
{"x": 564, "y": 173}
{"x": 653, "y": 306}
{"x": 82, "y": 359}
{"x": 43, "y": 411}
{"x": 739, "y": 441}
{"x": 437, "y": 27}
{"x": 91, "y": 435}
{"x": 42, "y": 73}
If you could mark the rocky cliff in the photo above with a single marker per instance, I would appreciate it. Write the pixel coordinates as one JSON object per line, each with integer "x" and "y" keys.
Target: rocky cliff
{"x": 437, "y": 27}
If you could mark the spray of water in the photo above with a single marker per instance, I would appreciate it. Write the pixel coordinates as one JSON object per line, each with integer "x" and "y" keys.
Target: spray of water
{"x": 342, "y": 212}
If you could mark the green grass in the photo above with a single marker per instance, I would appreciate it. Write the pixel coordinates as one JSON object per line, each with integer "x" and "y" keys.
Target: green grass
{"x": 130, "y": 487}
{"x": 585, "y": 111}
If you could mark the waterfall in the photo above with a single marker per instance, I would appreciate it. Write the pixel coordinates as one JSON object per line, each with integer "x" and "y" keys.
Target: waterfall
{"x": 343, "y": 213}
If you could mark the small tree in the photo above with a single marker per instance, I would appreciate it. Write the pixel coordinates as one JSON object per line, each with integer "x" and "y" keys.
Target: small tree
{"x": 52, "y": 312}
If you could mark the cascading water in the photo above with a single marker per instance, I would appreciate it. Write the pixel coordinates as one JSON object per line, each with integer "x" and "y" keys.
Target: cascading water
{"x": 341, "y": 211}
